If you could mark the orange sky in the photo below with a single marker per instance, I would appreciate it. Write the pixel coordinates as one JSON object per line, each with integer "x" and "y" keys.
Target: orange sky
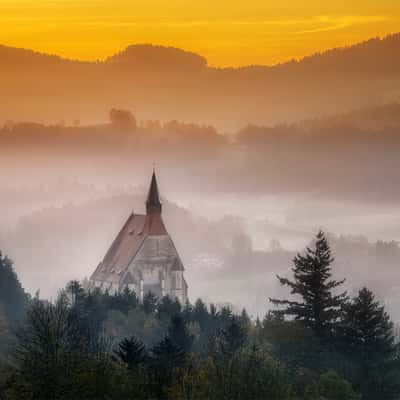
{"x": 226, "y": 32}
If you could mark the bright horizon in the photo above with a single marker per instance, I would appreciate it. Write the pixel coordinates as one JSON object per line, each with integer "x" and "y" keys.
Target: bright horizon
{"x": 227, "y": 33}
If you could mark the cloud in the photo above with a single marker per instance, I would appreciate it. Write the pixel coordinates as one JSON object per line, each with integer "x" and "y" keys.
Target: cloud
{"x": 325, "y": 23}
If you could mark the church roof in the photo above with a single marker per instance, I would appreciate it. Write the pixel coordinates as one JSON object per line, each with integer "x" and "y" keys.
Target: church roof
{"x": 131, "y": 237}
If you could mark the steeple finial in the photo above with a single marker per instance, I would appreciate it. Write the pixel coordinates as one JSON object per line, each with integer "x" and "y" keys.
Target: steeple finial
{"x": 153, "y": 203}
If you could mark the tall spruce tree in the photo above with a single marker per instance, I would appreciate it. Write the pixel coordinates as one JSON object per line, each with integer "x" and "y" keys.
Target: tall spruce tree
{"x": 319, "y": 308}
{"x": 167, "y": 359}
{"x": 132, "y": 352}
{"x": 368, "y": 338}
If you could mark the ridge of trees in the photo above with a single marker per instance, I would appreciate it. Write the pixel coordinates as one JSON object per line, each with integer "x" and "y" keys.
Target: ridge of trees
{"x": 320, "y": 345}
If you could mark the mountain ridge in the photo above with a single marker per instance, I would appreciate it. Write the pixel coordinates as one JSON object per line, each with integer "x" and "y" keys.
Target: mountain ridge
{"x": 176, "y": 84}
{"x": 392, "y": 38}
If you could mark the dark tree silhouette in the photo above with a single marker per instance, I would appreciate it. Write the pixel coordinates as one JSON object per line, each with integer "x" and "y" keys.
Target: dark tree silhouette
{"x": 320, "y": 308}
{"x": 50, "y": 347}
{"x": 75, "y": 291}
{"x": 368, "y": 337}
{"x": 124, "y": 301}
{"x": 168, "y": 307}
{"x": 167, "y": 355}
{"x": 167, "y": 359}
{"x": 233, "y": 337}
{"x": 13, "y": 298}
{"x": 149, "y": 303}
{"x": 179, "y": 334}
{"x": 122, "y": 119}
{"x": 132, "y": 352}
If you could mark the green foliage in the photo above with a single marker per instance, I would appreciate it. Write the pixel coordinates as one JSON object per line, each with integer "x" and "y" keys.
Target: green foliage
{"x": 179, "y": 334}
{"x": 90, "y": 345}
{"x": 249, "y": 375}
{"x": 331, "y": 386}
{"x": 149, "y": 303}
{"x": 328, "y": 386}
{"x": 367, "y": 329}
{"x": 231, "y": 339}
{"x": 167, "y": 308}
{"x": 166, "y": 356}
{"x": 50, "y": 347}
{"x": 131, "y": 352}
{"x": 166, "y": 362}
{"x": 319, "y": 309}
{"x": 125, "y": 301}
{"x": 13, "y": 299}
{"x": 367, "y": 337}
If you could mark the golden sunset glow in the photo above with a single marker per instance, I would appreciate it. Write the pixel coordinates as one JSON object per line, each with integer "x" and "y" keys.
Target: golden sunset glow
{"x": 227, "y": 33}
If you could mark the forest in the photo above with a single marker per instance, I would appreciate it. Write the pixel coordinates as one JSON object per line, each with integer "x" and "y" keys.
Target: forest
{"x": 316, "y": 342}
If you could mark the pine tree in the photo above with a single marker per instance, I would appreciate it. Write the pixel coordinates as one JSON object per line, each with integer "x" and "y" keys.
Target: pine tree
{"x": 132, "y": 352}
{"x": 167, "y": 355}
{"x": 179, "y": 334}
{"x": 232, "y": 338}
{"x": 13, "y": 299}
{"x": 75, "y": 292}
{"x": 245, "y": 321}
{"x": 168, "y": 307}
{"x": 320, "y": 308}
{"x": 124, "y": 301}
{"x": 368, "y": 337}
{"x": 200, "y": 313}
{"x": 149, "y": 303}
{"x": 167, "y": 359}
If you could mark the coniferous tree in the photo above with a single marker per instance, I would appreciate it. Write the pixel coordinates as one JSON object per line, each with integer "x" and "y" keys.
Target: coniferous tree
{"x": 124, "y": 301}
{"x": 233, "y": 337}
{"x": 167, "y": 359}
{"x": 168, "y": 307}
{"x": 368, "y": 337}
{"x": 13, "y": 299}
{"x": 245, "y": 321}
{"x": 167, "y": 355}
{"x": 200, "y": 313}
{"x": 75, "y": 291}
{"x": 319, "y": 307}
{"x": 187, "y": 312}
{"x": 179, "y": 334}
{"x": 149, "y": 303}
{"x": 132, "y": 352}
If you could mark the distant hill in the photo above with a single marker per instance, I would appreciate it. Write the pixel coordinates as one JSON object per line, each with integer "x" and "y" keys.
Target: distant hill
{"x": 175, "y": 84}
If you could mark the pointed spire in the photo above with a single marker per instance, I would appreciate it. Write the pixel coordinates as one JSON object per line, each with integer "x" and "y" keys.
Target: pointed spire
{"x": 153, "y": 204}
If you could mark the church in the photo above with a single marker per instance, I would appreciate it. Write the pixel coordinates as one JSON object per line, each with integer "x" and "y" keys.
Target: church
{"x": 143, "y": 256}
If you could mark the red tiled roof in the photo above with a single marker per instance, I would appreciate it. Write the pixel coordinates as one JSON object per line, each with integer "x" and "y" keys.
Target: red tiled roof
{"x": 127, "y": 244}
{"x": 154, "y": 225}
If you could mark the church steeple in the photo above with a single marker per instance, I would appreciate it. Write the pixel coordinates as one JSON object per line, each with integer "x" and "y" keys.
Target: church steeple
{"x": 153, "y": 204}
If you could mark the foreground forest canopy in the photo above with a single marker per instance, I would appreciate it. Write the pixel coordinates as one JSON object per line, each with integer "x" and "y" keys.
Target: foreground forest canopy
{"x": 143, "y": 77}
{"x": 317, "y": 343}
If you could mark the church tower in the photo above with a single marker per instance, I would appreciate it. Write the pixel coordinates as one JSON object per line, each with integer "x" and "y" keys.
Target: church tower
{"x": 143, "y": 256}
{"x": 153, "y": 204}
